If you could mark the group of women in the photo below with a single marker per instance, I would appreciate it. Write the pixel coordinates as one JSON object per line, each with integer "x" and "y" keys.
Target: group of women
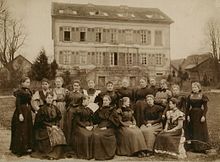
{"x": 90, "y": 123}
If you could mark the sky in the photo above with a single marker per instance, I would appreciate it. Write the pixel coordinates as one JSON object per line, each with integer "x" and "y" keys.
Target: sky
{"x": 187, "y": 32}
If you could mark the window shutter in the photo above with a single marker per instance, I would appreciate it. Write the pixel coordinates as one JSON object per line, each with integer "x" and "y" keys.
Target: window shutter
{"x": 61, "y": 55}
{"x": 61, "y": 34}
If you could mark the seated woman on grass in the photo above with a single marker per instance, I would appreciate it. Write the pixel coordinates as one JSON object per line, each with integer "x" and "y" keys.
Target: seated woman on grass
{"x": 171, "y": 140}
{"x": 49, "y": 137}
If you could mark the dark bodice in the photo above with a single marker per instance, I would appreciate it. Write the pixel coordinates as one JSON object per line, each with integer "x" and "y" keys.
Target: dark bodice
{"x": 112, "y": 94}
{"x": 84, "y": 116}
{"x": 47, "y": 115}
{"x": 126, "y": 92}
{"x": 106, "y": 117}
{"x": 74, "y": 99}
{"x": 181, "y": 105}
{"x": 126, "y": 114}
{"x": 91, "y": 91}
{"x": 153, "y": 112}
{"x": 141, "y": 93}
{"x": 197, "y": 100}
{"x": 23, "y": 96}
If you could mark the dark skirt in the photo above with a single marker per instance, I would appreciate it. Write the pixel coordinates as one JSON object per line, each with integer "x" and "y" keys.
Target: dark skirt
{"x": 49, "y": 144}
{"x": 83, "y": 143}
{"x": 21, "y": 132}
{"x": 139, "y": 112}
{"x": 150, "y": 134}
{"x": 198, "y": 131}
{"x": 68, "y": 125}
{"x": 130, "y": 141}
{"x": 171, "y": 143}
{"x": 104, "y": 144}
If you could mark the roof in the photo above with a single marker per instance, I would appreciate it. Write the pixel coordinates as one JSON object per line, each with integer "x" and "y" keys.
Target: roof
{"x": 193, "y": 61}
{"x": 17, "y": 57}
{"x": 177, "y": 63}
{"x": 109, "y": 13}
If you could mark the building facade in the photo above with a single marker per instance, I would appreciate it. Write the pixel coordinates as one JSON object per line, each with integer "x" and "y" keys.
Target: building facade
{"x": 105, "y": 43}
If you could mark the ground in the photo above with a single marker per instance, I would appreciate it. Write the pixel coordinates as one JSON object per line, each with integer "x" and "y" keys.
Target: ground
{"x": 7, "y": 108}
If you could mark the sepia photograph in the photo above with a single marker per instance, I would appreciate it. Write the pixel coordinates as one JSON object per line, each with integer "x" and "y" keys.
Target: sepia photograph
{"x": 119, "y": 80}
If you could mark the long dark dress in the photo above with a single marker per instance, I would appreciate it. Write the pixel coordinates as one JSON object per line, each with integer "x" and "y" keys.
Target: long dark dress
{"x": 112, "y": 94}
{"x": 130, "y": 139}
{"x": 49, "y": 140}
{"x": 22, "y": 132}
{"x": 105, "y": 140}
{"x": 197, "y": 130}
{"x": 140, "y": 96}
{"x": 83, "y": 138}
{"x": 152, "y": 115}
{"x": 73, "y": 101}
{"x": 172, "y": 143}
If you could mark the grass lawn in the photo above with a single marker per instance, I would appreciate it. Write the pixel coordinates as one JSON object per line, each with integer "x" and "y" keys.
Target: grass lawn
{"x": 213, "y": 118}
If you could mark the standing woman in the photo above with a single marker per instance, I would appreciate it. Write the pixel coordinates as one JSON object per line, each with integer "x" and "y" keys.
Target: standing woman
{"x": 60, "y": 94}
{"x": 196, "y": 117}
{"x": 107, "y": 120}
{"x": 140, "y": 102}
{"x": 73, "y": 101}
{"x": 126, "y": 91}
{"x": 22, "y": 125}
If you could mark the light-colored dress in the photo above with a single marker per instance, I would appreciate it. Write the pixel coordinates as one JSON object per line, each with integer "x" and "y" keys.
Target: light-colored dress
{"x": 60, "y": 94}
{"x": 172, "y": 143}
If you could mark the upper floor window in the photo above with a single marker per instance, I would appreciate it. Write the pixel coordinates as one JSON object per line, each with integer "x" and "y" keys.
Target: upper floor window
{"x": 83, "y": 58}
{"x": 66, "y": 35}
{"x": 98, "y": 37}
{"x": 145, "y": 36}
{"x": 114, "y": 58}
{"x": 129, "y": 58}
{"x": 82, "y": 36}
{"x": 158, "y": 38}
{"x": 99, "y": 58}
{"x": 159, "y": 59}
{"x": 144, "y": 59}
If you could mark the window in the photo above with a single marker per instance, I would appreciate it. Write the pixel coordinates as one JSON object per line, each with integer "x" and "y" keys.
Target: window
{"x": 129, "y": 59}
{"x": 159, "y": 59}
{"x": 159, "y": 74}
{"x": 101, "y": 81}
{"x": 82, "y": 36}
{"x": 66, "y": 35}
{"x": 143, "y": 37}
{"x": 98, "y": 37}
{"x": 113, "y": 36}
{"x": 144, "y": 59}
{"x": 83, "y": 58}
{"x": 66, "y": 57}
{"x": 158, "y": 38}
{"x": 114, "y": 58}
{"x": 99, "y": 58}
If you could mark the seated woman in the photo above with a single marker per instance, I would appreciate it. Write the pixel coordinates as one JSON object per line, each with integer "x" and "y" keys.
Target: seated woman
{"x": 171, "y": 139}
{"x": 82, "y": 133}
{"x": 107, "y": 119}
{"x": 49, "y": 137}
{"x": 152, "y": 124}
{"x": 130, "y": 138}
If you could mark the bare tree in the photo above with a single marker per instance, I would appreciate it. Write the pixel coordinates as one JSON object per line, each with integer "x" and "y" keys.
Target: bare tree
{"x": 213, "y": 35}
{"x": 11, "y": 38}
